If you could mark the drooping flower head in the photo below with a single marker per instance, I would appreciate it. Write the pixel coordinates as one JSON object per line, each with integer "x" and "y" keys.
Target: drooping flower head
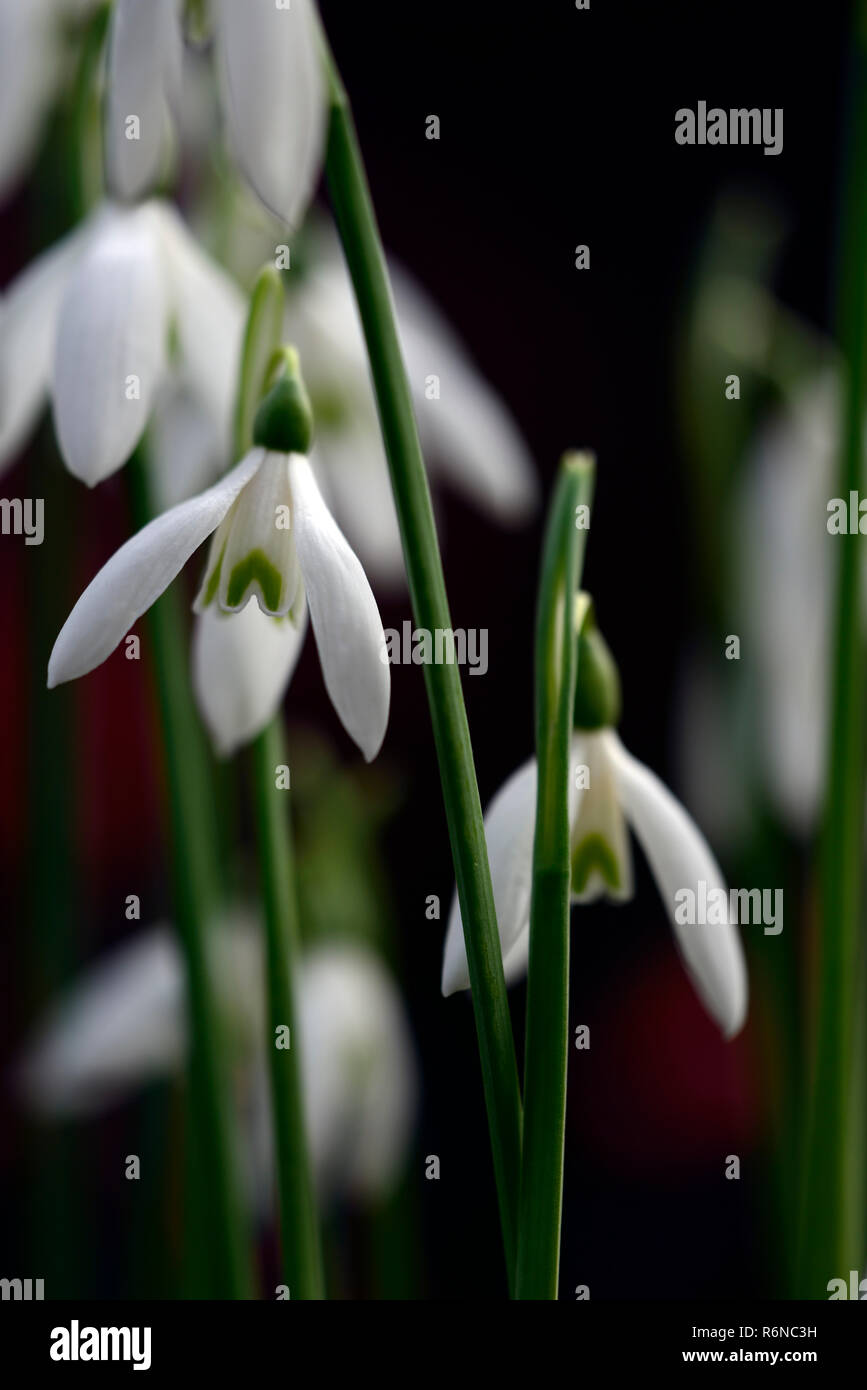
{"x": 275, "y": 542}
{"x": 610, "y": 792}
{"x": 91, "y": 324}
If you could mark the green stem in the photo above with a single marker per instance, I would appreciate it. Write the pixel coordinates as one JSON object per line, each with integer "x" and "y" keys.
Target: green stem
{"x": 831, "y": 1237}
{"x": 356, "y": 222}
{"x": 302, "y": 1260}
{"x": 196, "y": 878}
{"x": 547, "y": 1039}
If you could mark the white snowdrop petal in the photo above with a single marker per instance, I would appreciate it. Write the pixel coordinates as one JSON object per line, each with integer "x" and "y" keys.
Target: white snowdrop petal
{"x": 209, "y": 312}
{"x": 29, "y": 68}
{"x": 509, "y": 828}
{"x": 242, "y": 665}
{"x": 475, "y": 439}
{"x": 274, "y": 98}
{"x": 121, "y": 1025}
{"x": 681, "y": 859}
{"x": 111, "y": 345}
{"x": 185, "y": 452}
{"x": 351, "y": 467}
{"x": 253, "y": 554}
{"x": 138, "y": 573}
{"x": 343, "y": 611}
{"x": 144, "y": 55}
{"x": 28, "y": 326}
{"x": 358, "y": 1068}
{"x": 599, "y": 839}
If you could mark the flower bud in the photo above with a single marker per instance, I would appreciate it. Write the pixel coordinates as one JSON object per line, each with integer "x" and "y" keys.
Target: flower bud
{"x": 284, "y": 420}
{"x": 597, "y": 691}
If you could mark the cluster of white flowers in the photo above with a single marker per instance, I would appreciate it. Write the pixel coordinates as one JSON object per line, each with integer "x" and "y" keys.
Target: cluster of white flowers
{"x": 128, "y": 326}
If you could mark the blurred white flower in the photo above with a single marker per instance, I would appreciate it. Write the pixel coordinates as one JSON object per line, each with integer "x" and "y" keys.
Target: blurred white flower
{"x": 787, "y": 570}
{"x": 124, "y": 1023}
{"x": 91, "y": 323}
{"x": 469, "y": 437}
{"x": 620, "y": 791}
{"x": 32, "y": 41}
{"x": 275, "y": 541}
{"x": 271, "y": 83}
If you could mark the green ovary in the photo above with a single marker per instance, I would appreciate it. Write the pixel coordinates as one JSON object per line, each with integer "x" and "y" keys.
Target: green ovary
{"x": 594, "y": 852}
{"x": 255, "y": 568}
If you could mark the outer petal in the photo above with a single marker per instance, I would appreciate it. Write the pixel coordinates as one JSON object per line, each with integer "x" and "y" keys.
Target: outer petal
{"x": 138, "y": 573}
{"x": 356, "y": 480}
{"x": 113, "y": 328}
{"x": 122, "y": 1024}
{"x": 346, "y": 621}
{"x": 185, "y": 453}
{"x": 144, "y": 62}
{"x": 29, "y": 64}
{"x": 242, "y": 664}
{"x": 509, "y": 827}
{"x": 477, "y": 443}
{"x": 681, "y": 858}
{"x": 28, "y": 325}
{"x": 210, "y": 313}
{"x": 786, "y": 566}
{"x": 274, "y": 96}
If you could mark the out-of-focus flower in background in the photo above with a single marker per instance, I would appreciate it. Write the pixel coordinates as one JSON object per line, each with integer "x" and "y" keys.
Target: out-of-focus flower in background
{"x": 90, "y": 323}
{"x": 33, "y": 65}
{"x": 787, "y": 568}
{"x": 271, "y": 84}
{"x": 124, "y": 1023}
{"x": 469, "y": 436}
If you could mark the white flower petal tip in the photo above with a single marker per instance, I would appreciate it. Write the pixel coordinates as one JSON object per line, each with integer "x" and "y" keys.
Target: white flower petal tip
{"x": 111, "y": 344}
{"x": 509, "y": 827}
{"x": 680, "y": 858}
{"x": 137, "y": 574}
{"x": 145, "y": 55}
{"x": 274, "y": 98}
{"x": 344, "y": 615}
{"x": 242, "y": 664}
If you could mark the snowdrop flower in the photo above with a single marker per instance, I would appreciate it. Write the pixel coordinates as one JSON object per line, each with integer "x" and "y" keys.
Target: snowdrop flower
{"x": 89, "y": 324}
{"x": 31, "y": 70}
{"x": 469, "y": 436}
{"x": 787, "y": 568}
{"x": 273, "y": 540}
{"x": 610, "y": 790}
{"x": 271, "y": 83}
{"x": 125, "y": 1024}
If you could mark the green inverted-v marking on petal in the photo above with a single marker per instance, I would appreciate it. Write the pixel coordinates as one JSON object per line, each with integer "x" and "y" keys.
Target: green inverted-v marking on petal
{"x": 255, "y": 568}
{"x": 594, "y": 852}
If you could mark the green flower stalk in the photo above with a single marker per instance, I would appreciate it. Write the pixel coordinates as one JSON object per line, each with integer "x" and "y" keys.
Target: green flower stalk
{"x": 546, "y": 1048}
{"x": 359, "y": 234}
{"x": 832, "y": 1232}
{"x": 273, "y": 412}
{"x": 196, "y": 884}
